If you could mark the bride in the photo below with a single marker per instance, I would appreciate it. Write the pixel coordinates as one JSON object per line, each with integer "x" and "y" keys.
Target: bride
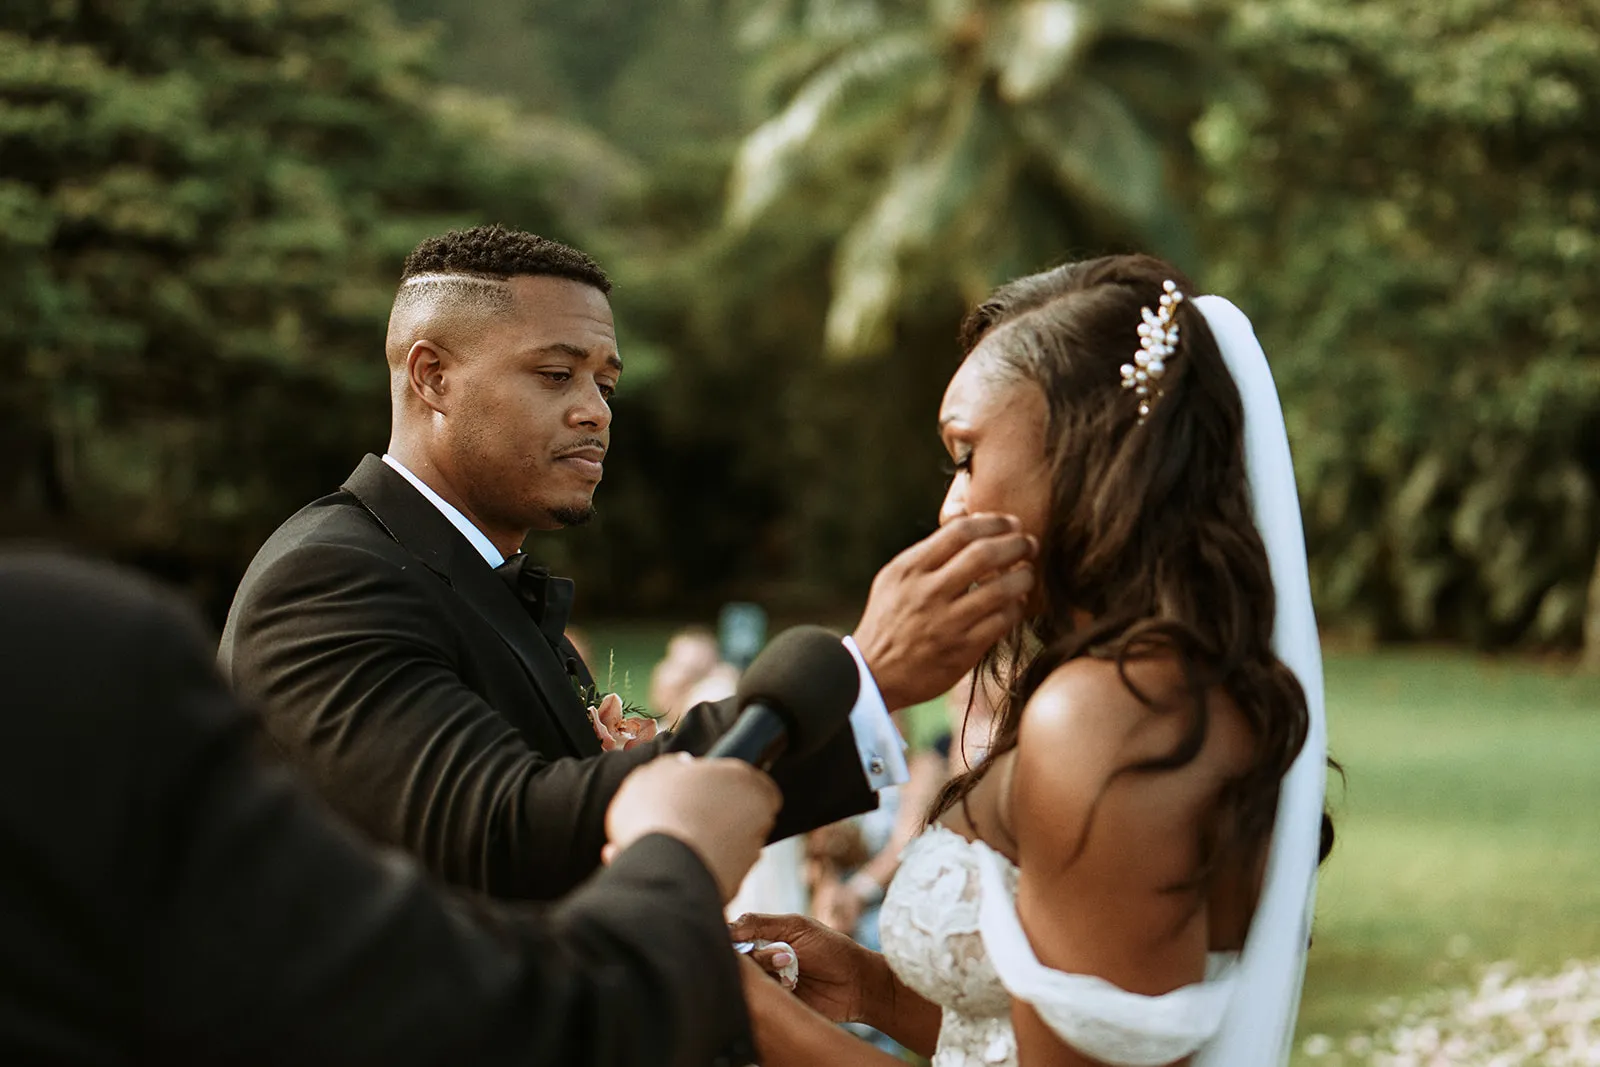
{"x": 1128, "y": 877}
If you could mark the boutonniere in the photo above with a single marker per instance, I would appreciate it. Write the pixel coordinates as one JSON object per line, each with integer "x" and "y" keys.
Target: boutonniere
{"x": 618, "y": 722}
{"x": 592, "y": 695}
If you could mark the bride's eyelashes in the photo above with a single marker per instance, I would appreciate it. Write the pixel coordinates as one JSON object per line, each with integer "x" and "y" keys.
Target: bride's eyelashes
{"x": 962, "y": 465}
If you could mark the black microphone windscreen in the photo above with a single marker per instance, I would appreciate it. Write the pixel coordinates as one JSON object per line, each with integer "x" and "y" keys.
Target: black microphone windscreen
{"x": 808, "y": 676}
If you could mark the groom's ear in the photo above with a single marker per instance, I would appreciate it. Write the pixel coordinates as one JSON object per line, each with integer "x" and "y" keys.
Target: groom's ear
{"x": 425, "y": 373}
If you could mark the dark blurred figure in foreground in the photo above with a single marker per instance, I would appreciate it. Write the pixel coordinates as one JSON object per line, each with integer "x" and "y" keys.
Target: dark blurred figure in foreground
{"x": 166, "y": 899}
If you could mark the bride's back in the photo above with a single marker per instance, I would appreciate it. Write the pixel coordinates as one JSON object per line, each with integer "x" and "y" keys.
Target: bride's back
{"x": 1145, "y": 834}
{"x": 1060, "y": 897}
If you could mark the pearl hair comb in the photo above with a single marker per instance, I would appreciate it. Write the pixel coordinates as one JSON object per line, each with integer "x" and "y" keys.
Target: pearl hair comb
{"x": 1158, "y": 339}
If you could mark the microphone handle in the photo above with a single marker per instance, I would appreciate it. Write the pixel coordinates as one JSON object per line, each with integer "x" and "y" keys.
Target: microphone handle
{"x": 758, "y": 737}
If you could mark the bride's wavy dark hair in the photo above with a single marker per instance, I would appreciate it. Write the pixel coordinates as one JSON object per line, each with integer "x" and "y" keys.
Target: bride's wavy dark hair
{"x": 1150, "y": 529}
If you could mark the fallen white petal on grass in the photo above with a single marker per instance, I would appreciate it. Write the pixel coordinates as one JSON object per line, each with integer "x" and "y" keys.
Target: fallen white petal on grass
{"x": 1507, "y": 1021}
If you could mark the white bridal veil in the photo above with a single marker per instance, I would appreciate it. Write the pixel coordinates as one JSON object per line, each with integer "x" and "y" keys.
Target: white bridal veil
{"x": 1258, "y": 1027}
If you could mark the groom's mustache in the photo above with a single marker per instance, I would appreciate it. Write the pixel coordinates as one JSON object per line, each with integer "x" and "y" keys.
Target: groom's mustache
{"x": 590, "y": 448}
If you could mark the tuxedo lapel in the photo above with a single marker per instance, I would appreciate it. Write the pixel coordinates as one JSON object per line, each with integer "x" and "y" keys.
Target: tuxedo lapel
{"x": 417, "y": 525}
{"x": 494, "y": 600}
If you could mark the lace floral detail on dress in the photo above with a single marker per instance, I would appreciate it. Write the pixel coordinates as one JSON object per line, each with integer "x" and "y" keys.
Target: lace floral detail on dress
{"x": 950, "y": 931}
{"x": 929, "y": 926}
{"x": 976, "y": 1041}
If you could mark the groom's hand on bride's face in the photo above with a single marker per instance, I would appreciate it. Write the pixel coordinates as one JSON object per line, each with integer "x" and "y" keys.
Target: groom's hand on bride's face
{"x": 939, "y": 605}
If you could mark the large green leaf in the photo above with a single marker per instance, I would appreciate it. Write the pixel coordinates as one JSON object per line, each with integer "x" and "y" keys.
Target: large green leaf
{"x": 1102, "y": 156}
{"x": 1035, "y": 45}
{"x": 774, "y": 152}
{"x": 922, "y": 197}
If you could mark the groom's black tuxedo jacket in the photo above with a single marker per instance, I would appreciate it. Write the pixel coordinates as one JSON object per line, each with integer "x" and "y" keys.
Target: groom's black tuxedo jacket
{"x": 417, "y": 692}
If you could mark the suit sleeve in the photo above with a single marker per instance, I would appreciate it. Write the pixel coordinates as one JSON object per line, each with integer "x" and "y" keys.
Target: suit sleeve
{"x": 818, "y": 789}
{"x": 341, "y": 649}
{"x": 278, "y": 939}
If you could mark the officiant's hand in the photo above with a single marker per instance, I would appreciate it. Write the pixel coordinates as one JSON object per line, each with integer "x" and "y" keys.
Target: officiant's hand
{"x": 722, "y": 808}
{"x": 937, "y": 607}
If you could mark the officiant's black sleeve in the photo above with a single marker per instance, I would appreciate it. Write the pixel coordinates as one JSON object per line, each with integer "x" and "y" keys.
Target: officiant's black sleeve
{"x": 167, "y": 899}
{"x": 364, "y": 687}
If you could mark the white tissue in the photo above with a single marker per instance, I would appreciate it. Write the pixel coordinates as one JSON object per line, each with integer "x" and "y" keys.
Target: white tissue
{"x": 789, "y": 975}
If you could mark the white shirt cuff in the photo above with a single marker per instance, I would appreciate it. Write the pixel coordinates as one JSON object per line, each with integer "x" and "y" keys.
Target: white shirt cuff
{"x": 878, "y": 741}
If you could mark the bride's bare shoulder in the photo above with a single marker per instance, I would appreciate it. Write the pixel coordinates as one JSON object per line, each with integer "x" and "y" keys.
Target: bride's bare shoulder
{"x": 1106, "y": 712}
{"x": 1101, "y": 843}
{"x": 1091, "y": 723}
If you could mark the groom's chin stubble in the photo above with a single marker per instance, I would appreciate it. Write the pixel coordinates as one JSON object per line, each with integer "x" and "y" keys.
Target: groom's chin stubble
{"x": 573, "y": 516}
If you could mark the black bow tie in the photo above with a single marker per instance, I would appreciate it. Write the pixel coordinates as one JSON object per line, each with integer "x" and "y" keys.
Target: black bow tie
{"x": 547, "y": 599}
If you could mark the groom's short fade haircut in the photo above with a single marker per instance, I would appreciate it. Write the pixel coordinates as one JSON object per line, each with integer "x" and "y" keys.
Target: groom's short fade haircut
{"x": 454, "y": 284}
{"x": 496, "y": 253}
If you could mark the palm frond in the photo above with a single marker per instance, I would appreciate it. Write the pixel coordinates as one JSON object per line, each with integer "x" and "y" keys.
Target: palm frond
{"x": 1098, "y": 150}
{"x": 1036, "y": 45}
{"x": 770, "y": 156}
{"x": 920, "y": 200}
{"x": 760, "y": 23}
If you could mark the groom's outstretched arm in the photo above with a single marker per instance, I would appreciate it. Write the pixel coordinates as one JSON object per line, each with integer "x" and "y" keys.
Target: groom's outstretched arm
{"x": 341, "y": 650}
{"x": 335, "y": 646}
{"x": 932, "y": 613}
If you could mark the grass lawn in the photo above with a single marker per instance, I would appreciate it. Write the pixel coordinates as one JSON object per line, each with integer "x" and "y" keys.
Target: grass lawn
{"x": 1469, "y": 831}
{"x": 620, "y": 656}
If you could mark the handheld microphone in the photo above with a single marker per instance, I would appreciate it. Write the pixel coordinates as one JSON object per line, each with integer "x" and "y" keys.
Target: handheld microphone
{"x": 796, "y": 695}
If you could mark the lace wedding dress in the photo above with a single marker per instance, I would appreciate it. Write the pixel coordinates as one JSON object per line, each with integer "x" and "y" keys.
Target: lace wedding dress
{"x": 950, "y": 932}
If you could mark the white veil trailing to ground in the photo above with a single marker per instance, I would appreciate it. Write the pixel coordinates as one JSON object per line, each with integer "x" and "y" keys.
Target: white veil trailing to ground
{"x": 1258, "y": 1027}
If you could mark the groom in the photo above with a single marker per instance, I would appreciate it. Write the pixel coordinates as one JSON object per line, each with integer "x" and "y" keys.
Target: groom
{"x": 409, "y": 658}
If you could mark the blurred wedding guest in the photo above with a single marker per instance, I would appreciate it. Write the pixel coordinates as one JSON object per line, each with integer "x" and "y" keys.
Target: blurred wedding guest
{"x": 715, "y": 685}
{"x": 847, "y": 892}
{"x": 411, "y": 660}
{"x": 681, "y": 676}
{"x": 852, "y": 862}
{"x": 167, "y": 899}
{"x": 693, "y": 672}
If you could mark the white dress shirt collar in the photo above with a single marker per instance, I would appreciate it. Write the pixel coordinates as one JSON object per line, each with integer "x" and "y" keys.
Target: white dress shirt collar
{"x": 491, "y": 555}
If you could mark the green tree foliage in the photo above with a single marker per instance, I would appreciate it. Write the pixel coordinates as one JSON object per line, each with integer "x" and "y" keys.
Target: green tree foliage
{"x": 655, "y": 77}
{"x": 803, "y": 474}
{"x": 972, "y": 140}
{"x": 775, "y": 471}
{"x": 639, "y": 102}
{"x": 1407, "y": 205}
{"x": 203, "y": 204}
{"x": 203, "y": 207}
